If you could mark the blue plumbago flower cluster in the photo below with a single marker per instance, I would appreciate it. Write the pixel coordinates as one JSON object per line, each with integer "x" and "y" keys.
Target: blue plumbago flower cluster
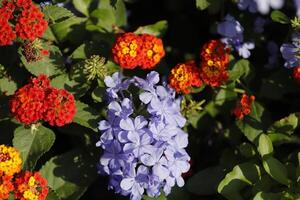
{"x": 232, "y": 31}
{"x": 142, "y": 138}
{"x": 291, "y": 51}
{"x": 261, "y": 6}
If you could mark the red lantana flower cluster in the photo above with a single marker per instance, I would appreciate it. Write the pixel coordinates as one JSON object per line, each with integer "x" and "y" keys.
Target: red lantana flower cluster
{"x": 131, "y": 50}
{"x": 20, "y": 18}
{"x": 39, "y": 101}
{"x": 243, "y": 106}
{"x": 213, "y": 69}
{"x": 214, "y": 62}
{"x": 184, "y": 76}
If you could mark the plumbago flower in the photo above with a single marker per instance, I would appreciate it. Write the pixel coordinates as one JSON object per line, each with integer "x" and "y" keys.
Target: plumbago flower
{"x": 142, "y": 137}
{"x": 290, "y": 52}
{"x": 232, "y": 31}
{"x": 261, "y": 6}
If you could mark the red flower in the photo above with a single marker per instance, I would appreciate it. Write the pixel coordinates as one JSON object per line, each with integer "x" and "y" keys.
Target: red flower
{"x": 215, "y": 59}
{"x": 60, "y": 107}
{"x": 31, "y": 186}
{"x": 27, "y": 104}
{"x": 152, "y": 51}
{"x": 296, "y": 74}
{"x": 126, "y": 50}
{"x": 31, "y": 23}
{"x": 23, "y": 4}
{"x": 7, "y": 34}
{"x": 184, "y": 76}
{"x": 6, "y": 186}
{"x": 243, "y": 107}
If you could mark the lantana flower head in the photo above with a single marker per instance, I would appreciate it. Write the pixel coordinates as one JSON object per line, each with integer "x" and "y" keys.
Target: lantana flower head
{"x": 152, "y": 51}
{"x": 31, "y": 186}
{"x": 60, "y": 107}
{"x": 6, "y": 185}
{"x": 184, "y": 76}
{"x": 39, "y": 101}
{"x": 31, "y": 23}
{"x": 143, "y": 143}
{"x": 243, "y": 106}
{"x": 10, "y": 160}
{"x": 214, "y": 63}
{"x": 7, "y": 34}
{"x": 126, "y": 50}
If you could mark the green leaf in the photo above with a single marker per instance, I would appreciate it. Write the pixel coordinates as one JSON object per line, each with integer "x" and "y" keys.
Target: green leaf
{"x": 7, "y": 86}
{"x": 280, "y": 17}
{"x": 205, "y": 182}
{"x": 82, "y": 6}
{"x": 75, "y": 87}
{"x": 161, "y": 197}
{"x": 50, "y": 65}
{"x": 158, "y": 29}
{"x": 52, "y": 195}
{"x": 247, "y": 149}
{"x": 251, "y": 125}
{"x": 71, "y": 29}
{"x": 117, "y": 8}
{"x": 97, "y": 94}
{"x": 225, "y": 95}
{"x": 279, "y": 138}
{"x": 55, "y": 14}
{"x": 265, "y": 146}
{"x": 286, "y": 125}
{"x": 70, "y": 174}
{"x": 104, "y": 19}
{"x": 266, "y": 196}
{"x": 202, "y": 4}
{"x": 240, "y": 176}
{"x": 86, "y": 116}
{"x": 32, "y": 144}
{"x": 240, "y": 69}
{"x": 276, "y": 170}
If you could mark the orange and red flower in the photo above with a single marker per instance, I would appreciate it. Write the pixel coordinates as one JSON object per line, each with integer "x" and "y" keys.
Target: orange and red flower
{"x": 10, "y": 160}
{"x": 6, "y": 185}
{"x": 243, "y": 107}
{"x": 60, "y": 106}
{"x": 152, "y": 51}
{"x": 214, "y": 63}
{"x": 184, "y": 76}
{"x": 31, "y": 23}
{"x": 31, "y": 186}
{"x": 126, "y": 50}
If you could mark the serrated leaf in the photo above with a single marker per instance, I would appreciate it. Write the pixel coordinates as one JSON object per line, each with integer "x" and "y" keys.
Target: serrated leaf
{"x": 265, "y": 146}
{"x": 286, "y": 125}
{"x": 280, "y": 17}
{"x": 202, "y": 4}
{"x": 158, "y": 29}
{"x": 104, "y": 19}
{"x": 55, "y": 14}
{"x": 71, "y": 29}
{"x": 64, "y": 82}
{"x": 205, "y": 182}
{"x": 240, "y": 69}
{"x": 82, "y": 6}
{"x": 86, "y": 116}
{"x": 276, "y": 170}
{"x": 32, "y": 144}
{"x": 70, "y": 174}
{"x": 240, "y": 176}
{"x": 50, "y": 65}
